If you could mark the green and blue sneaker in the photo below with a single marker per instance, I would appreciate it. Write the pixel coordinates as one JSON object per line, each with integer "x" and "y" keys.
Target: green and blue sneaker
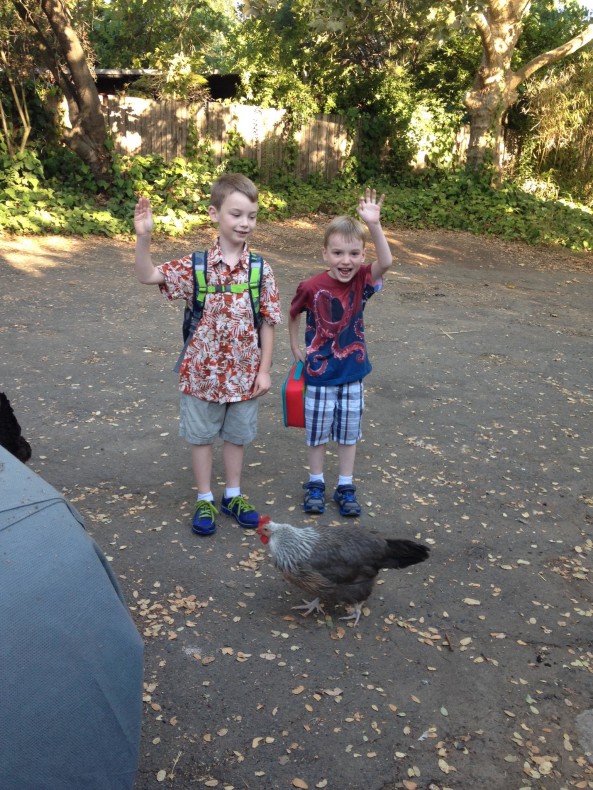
{"x": 204, "y": 522}
{"x": 241, "y": 510}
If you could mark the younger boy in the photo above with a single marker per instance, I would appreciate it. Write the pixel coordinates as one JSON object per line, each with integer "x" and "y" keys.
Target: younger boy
{"x": 336, "y": 359}
{"x": 226, "y": 366}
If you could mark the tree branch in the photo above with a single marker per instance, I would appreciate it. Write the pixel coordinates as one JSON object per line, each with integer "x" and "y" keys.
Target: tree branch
{"x": 45, "y": 49}
{"x": 552, "y": 56}
{"x": 21, "y": 106}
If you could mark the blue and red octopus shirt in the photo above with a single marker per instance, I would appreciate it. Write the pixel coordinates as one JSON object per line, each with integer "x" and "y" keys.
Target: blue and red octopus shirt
{"x": 334, "y": 335}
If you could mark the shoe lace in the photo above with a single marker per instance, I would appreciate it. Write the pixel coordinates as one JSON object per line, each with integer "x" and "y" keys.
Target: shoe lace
{"x": 241, "y": 505}
{"x": 205, "y": 508}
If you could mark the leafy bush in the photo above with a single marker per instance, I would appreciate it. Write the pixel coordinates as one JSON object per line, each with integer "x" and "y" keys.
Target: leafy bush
{"x": 60, "y": 196}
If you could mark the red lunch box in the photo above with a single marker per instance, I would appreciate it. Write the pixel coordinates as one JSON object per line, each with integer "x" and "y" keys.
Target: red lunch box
{"x": 293, "y": 397}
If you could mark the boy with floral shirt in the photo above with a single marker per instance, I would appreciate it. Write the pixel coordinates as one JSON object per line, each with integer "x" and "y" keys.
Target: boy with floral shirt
{"x": 336, "y": 359}
{"x": 226, "y": 366}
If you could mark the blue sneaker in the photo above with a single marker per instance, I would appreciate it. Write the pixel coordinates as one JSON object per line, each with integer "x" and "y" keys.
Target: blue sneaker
{"x": 345, "y": 496}
{"x": 204, "y": 522}
{"x": 314, "y": 501}
{"x": 241, "y": 510}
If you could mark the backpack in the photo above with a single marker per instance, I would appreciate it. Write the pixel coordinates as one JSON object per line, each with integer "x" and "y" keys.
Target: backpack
{"x": 193, "y": 312}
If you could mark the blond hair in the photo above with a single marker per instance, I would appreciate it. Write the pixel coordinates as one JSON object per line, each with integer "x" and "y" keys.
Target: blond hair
{"x": 347, "y": 227}
{"x": 232, "y": 182}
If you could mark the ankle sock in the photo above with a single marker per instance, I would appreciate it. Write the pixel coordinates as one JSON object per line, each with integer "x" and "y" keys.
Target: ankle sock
{"x": 316, "y": 479}
{"x": 209, "y": 496}
{"x": 344, "y": 481}
{"x": 229, "y": 493}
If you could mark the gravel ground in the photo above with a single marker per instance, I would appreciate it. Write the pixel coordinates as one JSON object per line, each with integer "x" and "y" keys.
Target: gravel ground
{"x": 471, "y": 670}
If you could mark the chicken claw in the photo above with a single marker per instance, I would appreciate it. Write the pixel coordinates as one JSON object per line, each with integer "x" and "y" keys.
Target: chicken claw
{"x": 310, "y": 606}
{"x": 355, "y": 614}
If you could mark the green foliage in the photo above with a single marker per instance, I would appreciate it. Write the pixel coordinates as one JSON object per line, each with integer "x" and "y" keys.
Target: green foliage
{"x": 32, "y": 204}
{"x": 270, "y": 54}
{"x": 455, "y": 201}
{"x": 547, "y": 25}
{"x": 459, "y": 201}
{"x": 233, "y": 161}
{"x": 432, "y": 131}
{"x": 150, "y": 34}
{"x": 557, "y": 153}
{"x": 59, "y": 196}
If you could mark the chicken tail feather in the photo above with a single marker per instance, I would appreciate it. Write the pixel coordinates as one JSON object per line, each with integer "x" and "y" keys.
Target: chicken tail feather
{"x": 402, "y": 553}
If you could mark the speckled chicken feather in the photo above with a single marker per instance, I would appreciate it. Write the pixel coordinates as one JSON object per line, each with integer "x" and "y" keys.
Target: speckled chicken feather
{"x": 338, "y": 564}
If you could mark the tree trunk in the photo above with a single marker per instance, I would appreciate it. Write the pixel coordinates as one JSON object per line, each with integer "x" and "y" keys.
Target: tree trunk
{"x": 492, "y": 94}
{"x": 65, "y": 58}
{"x": 495, "y": 87}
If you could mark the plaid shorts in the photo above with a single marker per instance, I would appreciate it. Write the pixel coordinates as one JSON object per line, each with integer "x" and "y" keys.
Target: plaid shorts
{"x": 334, "y": 412}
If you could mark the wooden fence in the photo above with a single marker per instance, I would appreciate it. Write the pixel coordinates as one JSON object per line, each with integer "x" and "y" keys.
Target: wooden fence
{"x": 144, "y": 126}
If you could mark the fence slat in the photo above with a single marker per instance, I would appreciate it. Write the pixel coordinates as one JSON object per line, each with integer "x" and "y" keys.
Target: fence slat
{"x": 144, "y": 126}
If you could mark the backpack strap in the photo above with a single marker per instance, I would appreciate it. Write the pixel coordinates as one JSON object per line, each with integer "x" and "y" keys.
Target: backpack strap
{"x": 193, "y": 312}
{"x": 256, "y": 271}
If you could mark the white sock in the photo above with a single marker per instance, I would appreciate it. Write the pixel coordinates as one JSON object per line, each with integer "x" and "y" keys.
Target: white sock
{"x": 209, "y": 496}
{"x": 229, "y": 493}
{"x": 344, "y": 481}
{"x": 316, "y": 478}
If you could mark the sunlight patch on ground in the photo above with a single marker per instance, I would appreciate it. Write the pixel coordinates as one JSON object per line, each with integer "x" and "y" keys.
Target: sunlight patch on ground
{"x": 35, "y": 254}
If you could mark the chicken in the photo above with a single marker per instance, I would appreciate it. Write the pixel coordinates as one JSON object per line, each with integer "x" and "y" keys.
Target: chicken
{"x": 337, "y": 565}
{"x": 11, "y": 437}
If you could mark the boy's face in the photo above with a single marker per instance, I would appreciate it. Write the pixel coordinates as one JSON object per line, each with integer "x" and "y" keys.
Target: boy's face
{"x": 344, "y": 257}
{"x": 236, "y": 218}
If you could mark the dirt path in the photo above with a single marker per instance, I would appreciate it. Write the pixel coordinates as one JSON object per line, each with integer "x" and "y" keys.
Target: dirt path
{"x": 472, "y": 670}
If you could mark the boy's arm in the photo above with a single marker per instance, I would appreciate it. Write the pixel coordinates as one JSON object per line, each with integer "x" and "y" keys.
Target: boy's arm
{"x": 293, "y": 333}
{"x": 263, "y": 380}
{"x": 143, "y": 223}
{"x": 369, "y": 210}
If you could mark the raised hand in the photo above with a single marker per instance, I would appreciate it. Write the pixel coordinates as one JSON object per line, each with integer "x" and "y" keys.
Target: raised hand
{"x": 143, "y": 221}
{"x": 369, "y": 208}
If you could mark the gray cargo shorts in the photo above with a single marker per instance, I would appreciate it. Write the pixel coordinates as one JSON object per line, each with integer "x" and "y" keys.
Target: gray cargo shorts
{"x": 201, "y": 421}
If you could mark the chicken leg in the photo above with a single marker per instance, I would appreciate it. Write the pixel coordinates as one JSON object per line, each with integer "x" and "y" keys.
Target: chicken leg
{"x": 355, "y": 614}
{"x": 310, "y": 606}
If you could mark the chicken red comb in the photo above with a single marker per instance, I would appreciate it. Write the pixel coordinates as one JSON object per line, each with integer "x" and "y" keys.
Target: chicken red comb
{"x": 263, "y": 520}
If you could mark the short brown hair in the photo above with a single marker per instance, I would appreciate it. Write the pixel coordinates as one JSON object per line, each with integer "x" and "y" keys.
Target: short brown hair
{"x": 232, "y": 182}
{"x": 348, "y": 227}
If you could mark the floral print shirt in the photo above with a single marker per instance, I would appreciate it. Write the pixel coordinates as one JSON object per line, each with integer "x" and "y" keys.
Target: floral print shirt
{"x": 222, "y": 359}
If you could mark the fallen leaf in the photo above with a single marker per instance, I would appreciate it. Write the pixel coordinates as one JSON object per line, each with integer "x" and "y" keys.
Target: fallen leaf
{"x": 298, "y": 690}
{"x": 300, "y": 783}
{"x": 445, "y": 767}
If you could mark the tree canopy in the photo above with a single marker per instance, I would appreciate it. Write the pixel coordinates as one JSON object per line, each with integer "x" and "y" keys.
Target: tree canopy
{"x": 391, "y": 65}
